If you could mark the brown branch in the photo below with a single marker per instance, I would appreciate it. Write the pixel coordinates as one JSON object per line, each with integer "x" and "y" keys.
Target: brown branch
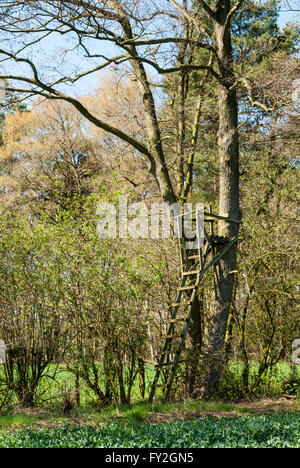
{"x": 186, "y": 14}
{"x": 207, "y": 9}
{"x": 252, "y": 101}
{"x": 51, "y": 93}
{"x": 186, "y": 67}
{"x": 233, "y": 10}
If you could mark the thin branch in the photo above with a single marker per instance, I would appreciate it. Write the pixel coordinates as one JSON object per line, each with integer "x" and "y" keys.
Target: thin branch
{"x": 175, "y": 40}
{"x": 208, "y": 10}
{"x": 185, "y": 13}
{"x": 186, "y": 67}
{"x": 252, "y": 101}
{"x": 51, "y": 93}
{"x": 233, "y": 10}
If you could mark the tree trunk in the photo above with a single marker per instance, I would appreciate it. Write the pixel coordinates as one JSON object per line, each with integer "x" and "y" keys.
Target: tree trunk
{"x": 196, "y": 340}
{"x": 229, "y": 198}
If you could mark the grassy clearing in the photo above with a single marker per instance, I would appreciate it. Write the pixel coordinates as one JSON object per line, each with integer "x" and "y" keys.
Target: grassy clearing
{"x": 270, "y": 431}
{"x": 123, "y": 414}
{"x": 142, "y": 412}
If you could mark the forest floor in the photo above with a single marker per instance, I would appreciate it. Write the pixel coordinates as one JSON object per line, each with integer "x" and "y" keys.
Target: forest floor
{"x": 193, "y": 424}
{"x": 36, "y": 418}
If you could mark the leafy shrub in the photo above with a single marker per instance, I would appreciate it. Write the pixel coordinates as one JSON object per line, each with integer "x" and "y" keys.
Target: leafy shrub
{"x": 291, "y": 386}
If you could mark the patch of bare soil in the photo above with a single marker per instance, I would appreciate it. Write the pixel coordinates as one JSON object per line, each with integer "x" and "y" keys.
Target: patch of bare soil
{"x": 258, "y": 407}
{"x": 266, "y": 405}
{"x": 72, "y": 421}
{"x": 179, "y": 415}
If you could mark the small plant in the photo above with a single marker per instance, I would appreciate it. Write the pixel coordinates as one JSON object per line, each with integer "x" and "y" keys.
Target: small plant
{"x": 291, "y": 386}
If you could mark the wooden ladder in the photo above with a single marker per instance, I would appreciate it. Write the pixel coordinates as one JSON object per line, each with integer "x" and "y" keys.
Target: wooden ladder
{"x": 193, "y": 272}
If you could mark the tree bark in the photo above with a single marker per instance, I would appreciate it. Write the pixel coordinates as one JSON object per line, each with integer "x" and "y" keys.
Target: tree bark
{"x": 196, "y": 340}
{"x": 229, "y": 197}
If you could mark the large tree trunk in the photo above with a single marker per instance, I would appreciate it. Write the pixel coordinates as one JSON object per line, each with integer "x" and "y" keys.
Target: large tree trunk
{"x": 229, "y": 199}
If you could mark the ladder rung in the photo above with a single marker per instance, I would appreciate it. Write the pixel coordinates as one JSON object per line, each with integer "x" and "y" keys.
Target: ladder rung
{"x": 177, "y": 304}
{"x": 187, "y": 288}
{"x": 168, "y": 337}
{"x": 170, "y": 363}
{"x": 188, "y": 273}
{"x": 164, "y": 353}
{"x": 174, "y": 351}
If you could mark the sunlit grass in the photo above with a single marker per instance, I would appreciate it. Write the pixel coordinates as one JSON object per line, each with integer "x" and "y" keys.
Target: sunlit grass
{"x": 15, "y": 420}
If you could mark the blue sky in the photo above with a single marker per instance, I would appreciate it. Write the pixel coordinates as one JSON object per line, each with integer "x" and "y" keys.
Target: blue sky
{"x": 51, "y": 57}
{"x": 90, "y": 83}
{"x": 287, "y": 16}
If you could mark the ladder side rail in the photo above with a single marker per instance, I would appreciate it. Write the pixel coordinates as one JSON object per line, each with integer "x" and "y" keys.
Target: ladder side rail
{"x": 180, "y": 349}
{"x": 167, "y": 342}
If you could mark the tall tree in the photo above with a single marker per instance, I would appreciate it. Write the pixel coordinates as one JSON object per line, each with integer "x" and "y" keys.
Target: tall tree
{"x": 128, "y": 26}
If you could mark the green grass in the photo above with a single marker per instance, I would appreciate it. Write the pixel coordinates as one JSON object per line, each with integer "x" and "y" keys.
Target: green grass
{"x": 58, "y": 379}
{"x": 123, "y": 414}
{"x": 13, "y": 420}
{"x": 140, "y": 412}
{"x": 131, "y": 414}
{"x": 281, "y": 431}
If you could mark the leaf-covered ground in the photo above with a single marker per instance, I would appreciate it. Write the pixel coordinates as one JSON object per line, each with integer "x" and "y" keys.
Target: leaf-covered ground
{"x": 274, "y": 430}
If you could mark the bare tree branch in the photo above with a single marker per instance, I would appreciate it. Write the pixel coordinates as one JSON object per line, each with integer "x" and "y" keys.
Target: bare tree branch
{"x": 233, "y": 10}
{"x": 252, "y": 101}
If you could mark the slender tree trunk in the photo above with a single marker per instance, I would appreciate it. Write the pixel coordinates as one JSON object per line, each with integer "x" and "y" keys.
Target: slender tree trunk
{"x": 158, "y": 167}
{"x": 229, "y": 198}
{"x": 77, "y": 389}
{"x": 196, "y": 339}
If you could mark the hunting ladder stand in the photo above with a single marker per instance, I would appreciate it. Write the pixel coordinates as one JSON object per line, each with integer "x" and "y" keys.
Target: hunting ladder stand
{"x": 194, "y": 265}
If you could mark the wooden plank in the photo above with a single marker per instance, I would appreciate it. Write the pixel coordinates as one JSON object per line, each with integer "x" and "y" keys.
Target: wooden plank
{"x": 171, "y": 363}
{"x": 208, "y": 216}
{"x": 192, "y": 272}
{"x": 218, "y": 257}
{"x": 187, "y": 288}
{"x": 178, "y": 304}
{"x": 213, "y": 217}
{"x": 193, "y": 257}
{"x": 169, "y": 337}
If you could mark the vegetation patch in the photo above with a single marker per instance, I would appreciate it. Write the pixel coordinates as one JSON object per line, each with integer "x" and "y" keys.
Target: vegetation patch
{"x": 271, "y": 431}
{"x": 138, "y": 413}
